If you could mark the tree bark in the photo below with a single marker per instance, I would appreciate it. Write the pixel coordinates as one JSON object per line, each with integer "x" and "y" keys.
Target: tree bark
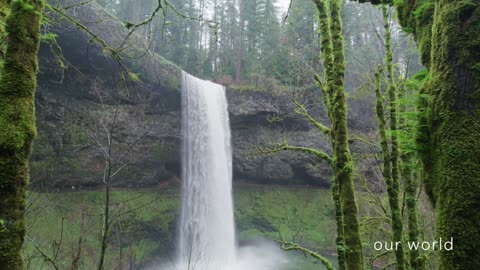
{"x": 334, "y": 63}
{"x": 17, "y": 122}
{"x": 393, "y": 182}
{"x": 447, "y": 36}
{"x": 343, "y": 160}
{"x": 451, "y": 155}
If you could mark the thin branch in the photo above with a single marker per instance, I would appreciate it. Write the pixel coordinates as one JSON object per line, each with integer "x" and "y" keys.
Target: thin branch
{"x": 300, "y": 109}
{"x": 82, "y": 27}
{"x": 164, "y": 5}
{"x": 44, "y": 255}
{"x": 288, "y": 246}
{"x": 365, "y": 141}
{"x": 288, "y": 12}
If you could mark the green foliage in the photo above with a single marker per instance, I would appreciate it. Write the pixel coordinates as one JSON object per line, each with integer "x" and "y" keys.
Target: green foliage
{"x": 134, "y": 77}
{"x": 413, "y": 101}
{"x": 48, "y": 37}
{"x": 423, "y": 8}
{"x": 26, "y": 7}
{"x": 3, "y": 228}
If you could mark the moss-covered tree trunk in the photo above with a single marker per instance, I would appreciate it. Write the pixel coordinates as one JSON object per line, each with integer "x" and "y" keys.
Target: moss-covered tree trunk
{"x": 450, "y": 48}
{"x": 343, "y": 163}
{"x": 447, "y": 34}
{"x": 339, "y": 240}
{"x": 410, "y": 173}
{"x": 384, "y": 145}
{"x": 328, "y": 63}
{"x": 17, "y": 123}
{"x": 393, "y": 182}
{"x": 351, "y": 254}
{"x": 410, "y": 177}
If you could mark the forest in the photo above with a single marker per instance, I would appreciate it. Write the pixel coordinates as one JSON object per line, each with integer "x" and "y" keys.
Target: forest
{"x": 239, "y": 134}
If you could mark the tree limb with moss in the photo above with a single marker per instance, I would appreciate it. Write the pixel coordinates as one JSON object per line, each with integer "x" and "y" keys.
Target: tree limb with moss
{"x": 285, "y": 146}
{"x": 288, "y": 246}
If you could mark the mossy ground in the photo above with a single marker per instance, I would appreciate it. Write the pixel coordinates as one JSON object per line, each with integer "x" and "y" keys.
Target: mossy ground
{"x": 147, "y": 228}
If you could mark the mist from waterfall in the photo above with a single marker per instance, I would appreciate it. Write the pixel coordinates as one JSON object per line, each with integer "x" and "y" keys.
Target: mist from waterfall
{"x": 207, "y": 231}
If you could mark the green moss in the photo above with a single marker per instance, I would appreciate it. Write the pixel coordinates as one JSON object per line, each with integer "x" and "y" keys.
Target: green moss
{"x": 447, "y": 35}
{"x": 17, "y": 121}
{"x": 305, "y": 214}
{"x": 4, "y": 11}
{"x": 343, "y": 164}
{"x": 144, "y": 233}
{"x": 423, "y": 8}
{"x": 415, "y": 17}
{"x": 392, "y": 155}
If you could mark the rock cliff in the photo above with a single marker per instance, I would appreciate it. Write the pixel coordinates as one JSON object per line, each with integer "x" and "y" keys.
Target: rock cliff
{"x": 91, "y": 100}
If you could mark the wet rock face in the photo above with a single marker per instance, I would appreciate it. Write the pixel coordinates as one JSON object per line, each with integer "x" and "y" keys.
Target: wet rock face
{"x": 145, "y": 127}
{"x": 76, "y": 110}
{"x": 82, "y": 108}
{"x": 261, "y": 118}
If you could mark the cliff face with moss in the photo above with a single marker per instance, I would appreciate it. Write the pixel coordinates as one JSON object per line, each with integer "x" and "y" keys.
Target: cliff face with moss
{"x": 74, "y": 104}
{"x": 147, "y": 116}
{"x": 81, "y": 91}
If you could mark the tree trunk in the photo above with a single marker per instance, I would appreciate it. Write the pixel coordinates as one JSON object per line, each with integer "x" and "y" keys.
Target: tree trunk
{"x": 410, "y": 173}
{"x": 451, "y": 155}
{"x": 393, "y": 182}
{"x": 17, "y": 122}
{"x": 339, "y": 240}
{"x": 334, "y": 63}
{"x": 343, "y": 160}
{"x": 447, "y": 36}
{"x": 416, "y": 260}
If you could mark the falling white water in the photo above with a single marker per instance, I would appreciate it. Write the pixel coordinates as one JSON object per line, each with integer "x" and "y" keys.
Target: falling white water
{"x": 207, "y": 231}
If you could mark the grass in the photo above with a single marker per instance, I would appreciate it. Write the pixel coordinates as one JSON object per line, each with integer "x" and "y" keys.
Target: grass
{"x": 145, "y": 224}
{"x": 299, "y": 214}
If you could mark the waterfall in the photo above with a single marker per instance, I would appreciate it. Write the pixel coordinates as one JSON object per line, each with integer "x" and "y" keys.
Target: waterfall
{"x": 207, "y": 231}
